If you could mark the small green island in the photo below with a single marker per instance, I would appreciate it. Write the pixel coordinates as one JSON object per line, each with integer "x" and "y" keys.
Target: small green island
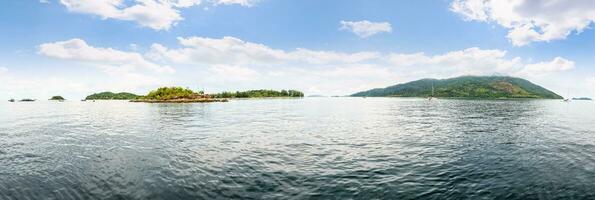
{"x": 183, "y": 95}
{"x": 112, "y": 96}
{"x": 177, "y": 95}
{"x": 473, "y": 87}
{"x": 57, "y": 98}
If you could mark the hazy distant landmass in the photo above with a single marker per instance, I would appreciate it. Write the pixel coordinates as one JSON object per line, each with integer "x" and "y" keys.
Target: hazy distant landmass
{"x": 316, "y": 95}
{"x": 112, "y": 96}
{"x": 582, "y": 99}
{"x": 485, "y": 87}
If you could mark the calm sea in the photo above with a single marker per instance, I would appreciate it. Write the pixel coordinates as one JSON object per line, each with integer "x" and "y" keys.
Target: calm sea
{"x": 311, "y": 148}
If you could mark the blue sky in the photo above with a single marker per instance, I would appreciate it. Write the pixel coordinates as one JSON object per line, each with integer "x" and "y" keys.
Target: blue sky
{"x": 75, "y": 48}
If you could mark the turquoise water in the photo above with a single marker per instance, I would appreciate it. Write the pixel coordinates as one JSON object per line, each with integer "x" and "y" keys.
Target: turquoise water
{"x": 311, "y": 148}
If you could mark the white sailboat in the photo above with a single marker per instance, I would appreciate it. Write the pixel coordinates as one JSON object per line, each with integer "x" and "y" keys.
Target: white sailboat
{"x": 432, "y": 96}
{"x": 567, "y": 100}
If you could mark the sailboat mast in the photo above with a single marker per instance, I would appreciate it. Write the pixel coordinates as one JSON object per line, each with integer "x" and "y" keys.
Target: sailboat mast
{"x": 432, "y": 96}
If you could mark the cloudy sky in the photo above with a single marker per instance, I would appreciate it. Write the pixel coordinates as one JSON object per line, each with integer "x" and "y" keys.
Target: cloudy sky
{"x": 334, "y": 47}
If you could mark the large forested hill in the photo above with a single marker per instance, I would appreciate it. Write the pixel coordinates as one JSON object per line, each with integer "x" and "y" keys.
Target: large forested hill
{"x": 486, "y": 87}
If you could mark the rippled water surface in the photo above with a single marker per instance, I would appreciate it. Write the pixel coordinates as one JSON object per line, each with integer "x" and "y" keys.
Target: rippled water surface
{"x": 312, "y": 148}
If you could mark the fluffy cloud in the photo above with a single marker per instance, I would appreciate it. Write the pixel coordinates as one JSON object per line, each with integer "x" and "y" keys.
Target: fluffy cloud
{"x": 227, "y": 73}
{"x": 127, "y": 71}
{"x": 158, "y": 15}
{"x": 247, "y": 3}
{"x": 79, "y": 50}
{"x": 155, "y": 14}
{"x": 366, "y": 28}
{"x": 471, "y": 61}
{"x": 230, "y": 59}
{"x": 530, "y": 20}
{"x": 232, "y": 64}
{"x": 556, "y": 65}
{"x": 233, "y": 51}
{"x": 18, "y": 87}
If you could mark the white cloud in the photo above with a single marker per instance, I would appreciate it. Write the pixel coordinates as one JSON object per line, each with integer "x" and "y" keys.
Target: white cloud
{"x": 79, "y": 50}
{"x": 471, "y": 61}
{"x": 247, "y": 3}
{"x": 233, "y": 51}
{"x": 183, "y": 3}
{"x": 227, "y": 73}
{"x": 44, "y": 1}
{"x": 530, "y": 20}
{"x": 232, "y": 64}
{"x": 127, "y": 71}
{"x": 155, "y": 14}
{"x": 158, "y": 15}
{"x": 366, "y": 28}
{"x": 38, "y": 87}
{"x": 558, "y": 64}
{"x": 231, "y": 59}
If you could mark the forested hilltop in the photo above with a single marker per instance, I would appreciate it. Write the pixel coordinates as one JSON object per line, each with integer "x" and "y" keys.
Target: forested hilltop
{"x": 112, "y": 96}
{"x": 485, "y": 87}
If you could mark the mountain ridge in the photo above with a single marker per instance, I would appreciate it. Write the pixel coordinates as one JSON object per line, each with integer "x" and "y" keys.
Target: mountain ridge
{"x": 482, "y": 87}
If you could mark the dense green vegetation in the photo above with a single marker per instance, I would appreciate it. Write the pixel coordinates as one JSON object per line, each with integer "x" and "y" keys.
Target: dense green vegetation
{"x": 260, "y": 94}
{"x": 57, "y": 98}
{"x": 172, "y": 93}
{"x": 112, "y": 96}
{"x": 487, "y": 87}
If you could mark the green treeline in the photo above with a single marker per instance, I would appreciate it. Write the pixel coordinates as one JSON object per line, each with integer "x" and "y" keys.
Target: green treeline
{"x": 112, "y": 96}
{"x": 171, "y": 93}
{"x": 259, "y": 94}
{"x": 174, "y": 93}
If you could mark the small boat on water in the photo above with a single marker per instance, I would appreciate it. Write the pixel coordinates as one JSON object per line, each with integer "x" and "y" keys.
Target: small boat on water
{"x": 431, "y": 96}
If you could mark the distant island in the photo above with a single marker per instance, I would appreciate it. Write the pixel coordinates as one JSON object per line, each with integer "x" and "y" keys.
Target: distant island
{"x": 57, "y": 98}
{"x": 183, "y": 95}
{"x": 259, "y": 94}
{"x": 176, "y": 95}
{"x": 112, "y": 96}
{"x": 582, "y": 99}
{"x": 479, "y": 87}
{"x": 27, "y": 100}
